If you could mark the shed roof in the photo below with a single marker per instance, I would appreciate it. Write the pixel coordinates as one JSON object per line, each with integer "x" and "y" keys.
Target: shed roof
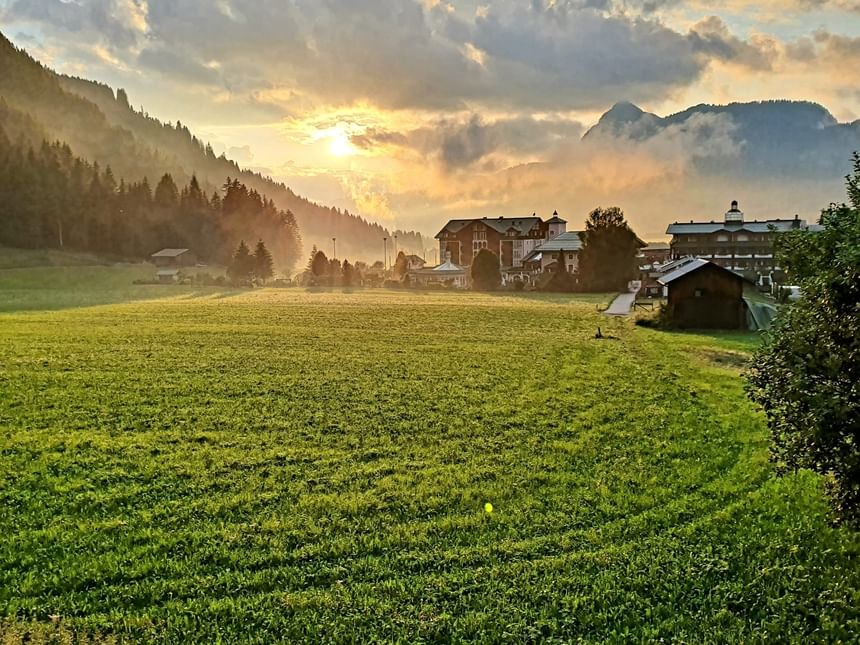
{"x": 168, "y": 273}
{"x": 692, "y": 267}
{"x": 169, "y": 253}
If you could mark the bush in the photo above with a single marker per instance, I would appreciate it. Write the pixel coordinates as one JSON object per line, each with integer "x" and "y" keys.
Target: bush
{"x": 805, "y": 375}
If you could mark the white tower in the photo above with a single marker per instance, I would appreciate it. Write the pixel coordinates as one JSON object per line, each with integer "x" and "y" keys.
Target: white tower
{"x": 556, "y": 226}
{"x": 734, "y": 214}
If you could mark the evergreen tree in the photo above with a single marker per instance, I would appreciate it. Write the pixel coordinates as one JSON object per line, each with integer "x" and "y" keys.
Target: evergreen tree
{"x": 241, "y": 267}
{"x": 319, "y": 265}
{"x": 348, "y": 274}
{"x": 263, "y": 265}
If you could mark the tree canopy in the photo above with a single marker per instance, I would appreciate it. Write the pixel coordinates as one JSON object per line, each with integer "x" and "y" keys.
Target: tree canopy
{"x": 607, "y": 261}
{"x": 486, "y": 271}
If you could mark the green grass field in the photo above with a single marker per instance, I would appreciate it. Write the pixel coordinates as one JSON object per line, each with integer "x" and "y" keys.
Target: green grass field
{"x": 185, "y": 465}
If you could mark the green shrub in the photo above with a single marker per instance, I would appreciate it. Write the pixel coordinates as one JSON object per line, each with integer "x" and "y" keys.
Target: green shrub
{"x": 806, "y": 374}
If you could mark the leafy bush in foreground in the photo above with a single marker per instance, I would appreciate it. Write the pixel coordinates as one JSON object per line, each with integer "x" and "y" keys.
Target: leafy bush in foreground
{"x": 806, "y": 375}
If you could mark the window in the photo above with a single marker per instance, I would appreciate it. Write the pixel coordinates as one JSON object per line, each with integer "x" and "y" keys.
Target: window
{"x": 477, "y": 245}
{"x": 742, "y": 237}
{"x": 480, "y": 235}
{"x": 699, "y": 293}
{"x": 722, "y": 238}
{"x": 570, "y": 256}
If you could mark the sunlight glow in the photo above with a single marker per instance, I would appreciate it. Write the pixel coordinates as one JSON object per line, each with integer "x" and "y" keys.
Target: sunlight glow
{"x": 341, "y": 146}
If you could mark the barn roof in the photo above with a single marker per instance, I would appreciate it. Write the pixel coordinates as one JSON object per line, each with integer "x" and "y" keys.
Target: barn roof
{"x": 169, "y": 253}
{"x": 692, "y": 267}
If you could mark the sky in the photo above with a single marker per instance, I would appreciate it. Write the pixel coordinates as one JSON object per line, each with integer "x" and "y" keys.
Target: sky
{"x": 412, "y": 112}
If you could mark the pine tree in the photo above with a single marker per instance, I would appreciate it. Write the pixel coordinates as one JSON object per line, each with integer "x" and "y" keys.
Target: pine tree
{"x": 348, "y": 273}
{"x": 263, "y": 265}
{"x": 241, "y": 267}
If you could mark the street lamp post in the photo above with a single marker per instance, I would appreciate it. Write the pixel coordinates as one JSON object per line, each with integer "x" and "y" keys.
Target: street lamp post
{"x": 334, "y": 248}
{"x": 385, "y": 253}
{"x": 395, "y": 246}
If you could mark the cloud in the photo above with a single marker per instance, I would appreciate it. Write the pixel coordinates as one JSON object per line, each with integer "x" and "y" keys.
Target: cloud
{"x": 459, "y": 143}
{"x": 711, "y": 37}
{"x": 401, "y": 54}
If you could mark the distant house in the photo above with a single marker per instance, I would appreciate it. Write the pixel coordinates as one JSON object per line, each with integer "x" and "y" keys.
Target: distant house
{"x": 705, "y": 295}
{"x": 168, "y": 276}
{"x": 510, "y": 238}
{"x": 446, "y": 273}
{"x": 655, "y": 253}
{"x": 563, "y": 247}
{"x": 414, "y": 262}
{"x": 174, "y": 258}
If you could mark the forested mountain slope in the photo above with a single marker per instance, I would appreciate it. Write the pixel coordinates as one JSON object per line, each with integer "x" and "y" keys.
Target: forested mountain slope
{"x": 101, "y": 127}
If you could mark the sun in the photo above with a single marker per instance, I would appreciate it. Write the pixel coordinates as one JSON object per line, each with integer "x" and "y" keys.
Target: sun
{"x": 341, "y": 146}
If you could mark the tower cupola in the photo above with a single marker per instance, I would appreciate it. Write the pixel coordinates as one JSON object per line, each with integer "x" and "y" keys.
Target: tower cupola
{"x": 734, "y": 214}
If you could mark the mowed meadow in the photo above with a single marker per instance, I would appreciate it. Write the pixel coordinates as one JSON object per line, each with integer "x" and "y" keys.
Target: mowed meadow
{"x": 203, "y": 465}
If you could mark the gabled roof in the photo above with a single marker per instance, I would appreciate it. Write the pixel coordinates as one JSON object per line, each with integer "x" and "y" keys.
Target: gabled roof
{"x": 501, "y": 224}
{"x": 656, "y": 246}
{"x": 569, "y": 241}
{"x": 692, "y": 267}
{"x": 169, "y": 253}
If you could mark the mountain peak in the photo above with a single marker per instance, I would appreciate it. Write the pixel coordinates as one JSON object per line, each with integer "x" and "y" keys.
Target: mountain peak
{"x": 623, "y": 112}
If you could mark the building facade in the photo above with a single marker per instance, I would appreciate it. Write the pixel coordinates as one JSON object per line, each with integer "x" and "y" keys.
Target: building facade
{"x": 735, "y": 243}
{"x": 511, "y": 238}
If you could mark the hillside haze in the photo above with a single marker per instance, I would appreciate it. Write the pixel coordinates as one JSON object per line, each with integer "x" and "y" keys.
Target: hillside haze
{"x": 100, "y": 126}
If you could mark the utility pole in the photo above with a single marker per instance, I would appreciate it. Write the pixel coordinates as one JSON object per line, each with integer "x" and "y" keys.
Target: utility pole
{"x": 334, "y": 248}
{"x": 385, "y": 252}
{"x": 395, "y": 246}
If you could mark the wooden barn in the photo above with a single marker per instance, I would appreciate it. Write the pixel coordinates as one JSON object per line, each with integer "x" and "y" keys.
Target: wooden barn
{"x": 704, "y": 295}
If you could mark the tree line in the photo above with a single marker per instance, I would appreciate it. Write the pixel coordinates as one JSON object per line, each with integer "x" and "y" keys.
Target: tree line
{"x": 49, "y": 198}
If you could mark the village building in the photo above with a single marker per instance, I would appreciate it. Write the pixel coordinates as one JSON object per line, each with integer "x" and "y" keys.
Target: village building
{"x": 446, "y": 274}
{"x": 650, "y": 274}
{"x": 510, "y": 238}
{"x": 168, "y": 276}
{"x": 705, "y": 295}
{"x": 655, "y": 253}
{"x": 564, "y": 247}
{"x": 174, "y": 258}
{"x": 734, "y": 243}
{"x": 414, "y": 262}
